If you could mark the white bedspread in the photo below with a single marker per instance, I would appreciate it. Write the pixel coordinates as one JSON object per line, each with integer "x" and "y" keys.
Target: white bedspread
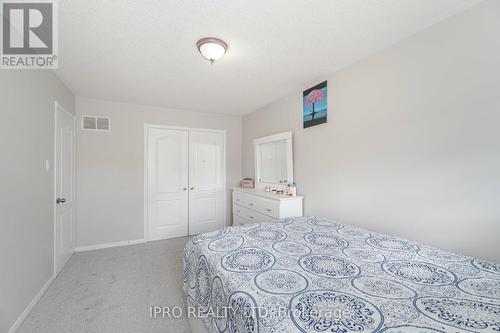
{"x": 315, "y": 275}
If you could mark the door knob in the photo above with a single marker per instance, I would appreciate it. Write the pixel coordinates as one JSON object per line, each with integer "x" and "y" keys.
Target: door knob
{"x": 60, "y": 200}
{"x": 191, "y": 188}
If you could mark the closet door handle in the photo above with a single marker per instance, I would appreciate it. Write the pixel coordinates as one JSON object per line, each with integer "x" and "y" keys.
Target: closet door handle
{"x": 184, "y": 188}
{"x": 268, "y": 209}
{"x": 191, "y": 188}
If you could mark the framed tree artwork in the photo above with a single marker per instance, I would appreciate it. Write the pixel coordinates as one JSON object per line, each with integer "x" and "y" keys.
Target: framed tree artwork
{"x": 315, "y": 105}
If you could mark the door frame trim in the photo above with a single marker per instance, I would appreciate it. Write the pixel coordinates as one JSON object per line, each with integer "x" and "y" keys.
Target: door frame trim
{"x": 148, "y": 126}
{"x": 57, "y": 107}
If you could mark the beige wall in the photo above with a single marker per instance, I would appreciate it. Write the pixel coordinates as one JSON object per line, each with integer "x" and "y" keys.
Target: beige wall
{"x": 412, "y": 143}
{"x": 110, "y": 166}
{"x": 26, "y": 193}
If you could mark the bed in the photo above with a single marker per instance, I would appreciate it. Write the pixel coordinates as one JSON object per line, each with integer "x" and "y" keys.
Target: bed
{"x": 311, "y": 274}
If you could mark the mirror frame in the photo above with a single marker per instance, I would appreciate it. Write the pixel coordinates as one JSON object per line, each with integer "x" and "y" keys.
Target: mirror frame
{"x": 287, "y": 136}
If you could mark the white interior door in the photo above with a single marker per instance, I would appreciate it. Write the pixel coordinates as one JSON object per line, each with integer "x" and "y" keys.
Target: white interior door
{"x": 168, "y": 193}
{"x": 207, "y": 195}
{"x": 64, "y": 187}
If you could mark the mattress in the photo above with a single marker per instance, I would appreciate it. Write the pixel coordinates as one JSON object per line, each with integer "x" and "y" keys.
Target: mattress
{"x": 312, "y": 274}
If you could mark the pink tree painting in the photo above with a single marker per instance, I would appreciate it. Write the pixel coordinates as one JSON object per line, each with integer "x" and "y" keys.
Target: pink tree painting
{"x": 314, "y": 103}
{"x": 314, "y": 97}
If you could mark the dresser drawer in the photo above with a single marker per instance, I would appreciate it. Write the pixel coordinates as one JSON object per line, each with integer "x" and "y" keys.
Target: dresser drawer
{"x": 267, "y": 207}
{"x": 261, "y": 205}
{"x": 238, "y": 197}
{"x": 238, "y": 220}
{"x": 251, "y": 215}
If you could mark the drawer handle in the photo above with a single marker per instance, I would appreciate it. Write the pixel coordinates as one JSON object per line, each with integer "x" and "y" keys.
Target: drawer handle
{"x": 268, "y": 209}
{"x": 250, "y": 204}
{"x": 251, "y": 217}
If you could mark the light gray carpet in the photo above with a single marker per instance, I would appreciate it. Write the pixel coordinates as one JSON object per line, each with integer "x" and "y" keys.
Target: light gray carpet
{"x": 112, "y": 290}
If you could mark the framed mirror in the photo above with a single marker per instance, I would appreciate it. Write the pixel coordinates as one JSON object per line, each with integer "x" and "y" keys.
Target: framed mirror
{"x": 273, "y": 160}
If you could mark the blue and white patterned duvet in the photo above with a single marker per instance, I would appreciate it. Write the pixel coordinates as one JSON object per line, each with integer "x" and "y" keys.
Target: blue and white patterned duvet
{"x": 315, "y": 275}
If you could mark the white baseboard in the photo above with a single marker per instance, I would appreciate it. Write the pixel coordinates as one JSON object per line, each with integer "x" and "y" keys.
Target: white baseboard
{"x": 32, "y": 304}
{"x": 108, "y": 245}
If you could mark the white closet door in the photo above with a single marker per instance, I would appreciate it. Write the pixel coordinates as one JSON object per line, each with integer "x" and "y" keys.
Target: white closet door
{"x": 168, "y": 193}
{"x": 207, "y": 195}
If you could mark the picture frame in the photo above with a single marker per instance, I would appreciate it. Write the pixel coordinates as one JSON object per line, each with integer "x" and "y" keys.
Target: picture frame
{"x": 315, "y": 105}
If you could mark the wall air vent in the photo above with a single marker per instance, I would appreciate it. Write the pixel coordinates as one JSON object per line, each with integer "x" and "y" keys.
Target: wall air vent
{"x": 93, "y": 123}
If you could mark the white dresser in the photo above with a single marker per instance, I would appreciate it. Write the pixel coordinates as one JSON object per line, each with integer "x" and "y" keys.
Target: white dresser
{"x": 255, "y": 205}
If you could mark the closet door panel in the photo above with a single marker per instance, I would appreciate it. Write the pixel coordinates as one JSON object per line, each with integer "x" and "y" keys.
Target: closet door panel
{"x": 168, "y": 163}
{"x": 207, "y": 195}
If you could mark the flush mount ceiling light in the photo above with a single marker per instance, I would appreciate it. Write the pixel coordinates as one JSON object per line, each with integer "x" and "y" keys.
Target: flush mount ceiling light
{"x": 212, "y": 48}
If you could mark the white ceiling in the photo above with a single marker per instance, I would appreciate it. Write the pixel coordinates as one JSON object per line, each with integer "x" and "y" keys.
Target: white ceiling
{"x": 144, "y": 51}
